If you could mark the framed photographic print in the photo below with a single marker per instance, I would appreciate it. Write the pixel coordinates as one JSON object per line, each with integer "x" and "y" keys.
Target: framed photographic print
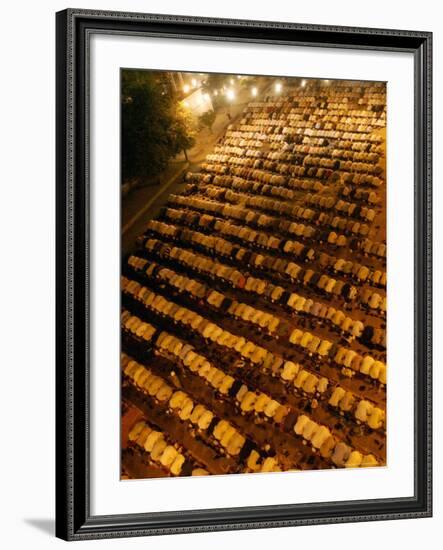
{"x": 243, "y": 274}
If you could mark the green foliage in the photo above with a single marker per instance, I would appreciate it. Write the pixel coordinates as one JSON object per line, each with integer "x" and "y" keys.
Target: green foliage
{"x": 207, "y": 119}
{"x": 154, "y": 126}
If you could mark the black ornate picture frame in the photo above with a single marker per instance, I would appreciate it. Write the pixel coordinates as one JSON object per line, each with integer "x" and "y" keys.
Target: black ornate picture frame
{"x": 74, "y": 520}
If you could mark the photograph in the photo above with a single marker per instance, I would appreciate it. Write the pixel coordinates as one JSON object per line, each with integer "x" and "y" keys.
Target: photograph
{"x": 219, "y": 250}
{"x": 253, "y": 279}
{"x": 231, "y": 195}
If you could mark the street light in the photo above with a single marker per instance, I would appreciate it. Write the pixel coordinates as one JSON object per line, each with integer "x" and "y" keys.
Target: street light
{"x": 278, "y": 87}
{"x": 186, "y": 88}
{"x": 254, "y": 92}
{"x": 303, "y": 83}
{"x": 230, "y": 94}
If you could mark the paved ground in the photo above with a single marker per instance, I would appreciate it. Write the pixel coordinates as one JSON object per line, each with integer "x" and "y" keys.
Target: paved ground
{"x": 144, "y": 203}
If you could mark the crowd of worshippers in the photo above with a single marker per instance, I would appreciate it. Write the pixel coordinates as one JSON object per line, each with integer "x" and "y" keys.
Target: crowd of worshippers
{"x": 278, "y": 234}
{"x": 251, "y": 403}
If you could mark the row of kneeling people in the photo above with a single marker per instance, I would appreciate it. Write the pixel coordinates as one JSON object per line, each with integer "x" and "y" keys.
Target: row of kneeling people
{"x": 348, "y": 358}
{"x": 243, "y": 232}
{"x": 291, "y": 153}
{"x": 312, "y": 115}
{"x": 296, "y": 153}
{"x": 185, "y": 407}
{"x": 137, "y": 327}
{"x": 287, "y": 111}
{"x": 294, "y": 170}
{"x": 254, "y": 402}
{"x": 246, "y": 258}
{"x": 270, "y": 362}
{"x": 259, "y": 189}
{"x": 351, "y": 99}
{"x": 248, "y": 401}
{"x": 257, "y": 133}
{"x": 322, "y": 144}
{"x": 250, "y": 236}
{"x": 228, "y": 437}
{"x": 217, "y": 170}
{"x": 295, "y": 302}
{"x": 239, "y": 183}
{"x": 289, "y": 372}
{"x": 170, "y": 457}
{"x": 159, "y": 449}
{"x": 344, "y": 207}
{"x": 285, "y": 166}
{"x": 342, "y": 92}
{"x": 276, "y": 295}
{"x": 328, "y": 446}
{"x": 363, "y": 195}
{"x": 334, "y": 130}
{"x": 364, "y": 411}
{"x": 342, "y": 356}
{"x": 243, "y": 194}
{"x": 215, "y": 202}
{"x": 306, "y": 118}
{"x": 262, "y": 319}
{"x": 237, "y": 211}
{"x": 322, "y": 283}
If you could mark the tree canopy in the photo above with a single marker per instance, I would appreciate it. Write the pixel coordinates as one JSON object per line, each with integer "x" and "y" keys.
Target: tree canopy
{"x": 154, "y": 126}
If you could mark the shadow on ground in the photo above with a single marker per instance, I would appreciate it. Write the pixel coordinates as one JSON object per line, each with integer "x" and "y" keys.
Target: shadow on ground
{"x": 42, "y": 524}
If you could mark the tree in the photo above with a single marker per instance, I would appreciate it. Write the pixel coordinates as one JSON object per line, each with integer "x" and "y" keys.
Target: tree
{"x": 154, "y": 126}
{"x": 207, "y": 119}
{"x": 185, "y": 130}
